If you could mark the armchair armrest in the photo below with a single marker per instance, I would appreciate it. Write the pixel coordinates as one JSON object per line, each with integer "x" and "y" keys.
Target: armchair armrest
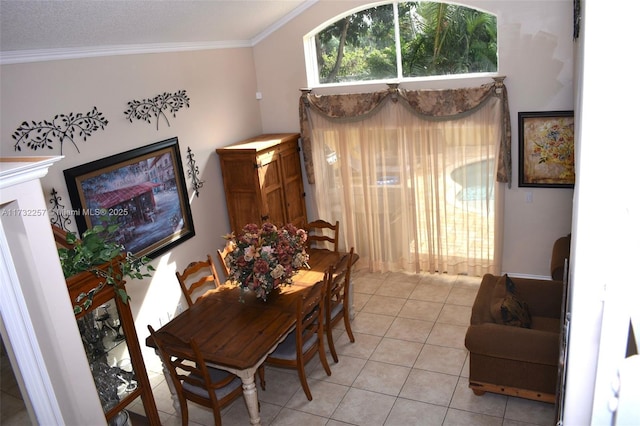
{"x": 561, "y": 251}
{"x": 515, "y": 343}
{"x": 480, "y": 312}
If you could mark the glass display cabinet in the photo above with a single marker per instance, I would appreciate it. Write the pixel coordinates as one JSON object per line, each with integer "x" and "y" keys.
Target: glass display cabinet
{"x": 113, "y": 352}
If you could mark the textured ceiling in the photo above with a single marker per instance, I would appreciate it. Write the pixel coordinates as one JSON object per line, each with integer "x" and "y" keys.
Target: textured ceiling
{"x": 27, "y": 25}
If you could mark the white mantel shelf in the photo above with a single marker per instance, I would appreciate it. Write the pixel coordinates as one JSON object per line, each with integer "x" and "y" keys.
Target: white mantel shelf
{"x": 15, "y": 170}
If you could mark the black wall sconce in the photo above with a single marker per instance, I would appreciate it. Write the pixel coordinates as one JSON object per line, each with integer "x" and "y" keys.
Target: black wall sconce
{"x": 60, "y": 216}
{"x": 193, "y": 172}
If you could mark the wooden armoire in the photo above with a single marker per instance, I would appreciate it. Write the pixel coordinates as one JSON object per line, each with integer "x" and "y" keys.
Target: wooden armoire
{"x": 263, "y": 181}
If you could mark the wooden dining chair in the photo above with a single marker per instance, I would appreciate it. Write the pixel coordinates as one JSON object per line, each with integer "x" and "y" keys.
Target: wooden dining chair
{"x": 306, "y": 340}
{"x": 317, "y": 234}
{"x": 192, "y": 379}
{"x": 196, "y": 277}
{"x": 337, "y": 301}
{"x": 222, "y": 255}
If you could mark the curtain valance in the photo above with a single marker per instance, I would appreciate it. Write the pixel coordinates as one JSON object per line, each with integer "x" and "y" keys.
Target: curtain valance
{"x": 428, "y": 104}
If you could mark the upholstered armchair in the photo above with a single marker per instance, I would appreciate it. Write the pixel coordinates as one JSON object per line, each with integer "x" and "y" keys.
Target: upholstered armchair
{"x": 514, "y": 335}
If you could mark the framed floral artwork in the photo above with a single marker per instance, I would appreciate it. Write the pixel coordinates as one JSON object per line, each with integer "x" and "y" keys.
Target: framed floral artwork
{"x": 546, "y": 149}
{"x": 143, "y": 190}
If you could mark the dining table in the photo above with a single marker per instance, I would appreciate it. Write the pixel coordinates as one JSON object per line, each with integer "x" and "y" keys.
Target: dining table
{"x": 236, "y": 331}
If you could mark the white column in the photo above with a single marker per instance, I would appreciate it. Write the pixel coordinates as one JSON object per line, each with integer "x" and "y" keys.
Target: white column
{"x": 34, "y": 302}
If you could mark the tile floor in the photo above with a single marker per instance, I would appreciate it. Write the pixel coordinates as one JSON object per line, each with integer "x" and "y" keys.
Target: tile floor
{"x": 12, "y": 408}
{"x": 408, "y": 366}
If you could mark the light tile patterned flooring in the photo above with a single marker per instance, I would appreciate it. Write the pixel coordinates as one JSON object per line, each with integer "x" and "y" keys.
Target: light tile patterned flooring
{"x": 12, "y": 408}
{"x": 408, "y": 366}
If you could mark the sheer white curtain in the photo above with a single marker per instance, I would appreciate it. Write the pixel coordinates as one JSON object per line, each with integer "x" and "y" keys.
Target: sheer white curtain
{"x": 413, "y": 193}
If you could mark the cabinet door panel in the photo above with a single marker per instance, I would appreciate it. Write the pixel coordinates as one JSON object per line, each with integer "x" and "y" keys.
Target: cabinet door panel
{"x": 246, "y": 209}
{"x": 240, "y": 175}
{"x": 242, "y": 191}
{"x": 272, "y": 191}
{"x": 293, "y": 187}
{"x": 277, "y": 214}
{"x": 108, "y": 355}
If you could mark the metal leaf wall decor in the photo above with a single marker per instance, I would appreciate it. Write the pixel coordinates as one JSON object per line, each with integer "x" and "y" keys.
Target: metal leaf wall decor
{"x": 62, "y": 127}
{"x": 144, "y": 109}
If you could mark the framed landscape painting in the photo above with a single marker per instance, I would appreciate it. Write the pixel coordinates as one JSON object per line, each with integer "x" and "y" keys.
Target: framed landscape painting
{"x": 143, "y": 190}
{"x": 546, "y": 149}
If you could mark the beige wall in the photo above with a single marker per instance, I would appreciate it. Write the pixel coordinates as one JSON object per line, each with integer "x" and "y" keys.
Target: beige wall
{"x": 223, "y": 109}
{"x": 536, "y": 55}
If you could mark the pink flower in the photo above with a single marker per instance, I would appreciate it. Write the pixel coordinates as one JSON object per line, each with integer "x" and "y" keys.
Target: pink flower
{"x": 268, "y": 228}
{"x": 250, "y": 228}
{"x": 260, "y": 267}
{"x": 249, "y": 253}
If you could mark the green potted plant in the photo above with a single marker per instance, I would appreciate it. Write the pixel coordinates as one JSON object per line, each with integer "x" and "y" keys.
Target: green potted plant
{"x": 98, "y": 253}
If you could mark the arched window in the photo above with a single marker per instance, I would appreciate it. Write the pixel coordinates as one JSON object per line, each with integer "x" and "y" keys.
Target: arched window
{"x": 402, "y": 40}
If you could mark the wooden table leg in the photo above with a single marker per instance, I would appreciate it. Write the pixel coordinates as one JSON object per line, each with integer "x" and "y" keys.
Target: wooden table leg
{"x": 172, "y": 389}
{"x": 251, "y": 398}
{"x": 248, "y": 388}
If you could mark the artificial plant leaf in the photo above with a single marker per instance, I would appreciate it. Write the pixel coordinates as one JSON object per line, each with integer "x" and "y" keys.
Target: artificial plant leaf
{"x": 123, "y": 295}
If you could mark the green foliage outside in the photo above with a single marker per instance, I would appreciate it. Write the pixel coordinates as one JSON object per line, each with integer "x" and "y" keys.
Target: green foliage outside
{"x": 435, "y": 39}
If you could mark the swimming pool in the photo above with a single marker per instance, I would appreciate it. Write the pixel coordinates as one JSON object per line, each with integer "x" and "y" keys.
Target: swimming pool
{"x": 476, "y": 179}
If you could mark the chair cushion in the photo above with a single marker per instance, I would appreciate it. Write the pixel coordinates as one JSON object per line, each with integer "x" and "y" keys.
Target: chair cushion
{"x": 506, "y": 307}
{"x": 336, "y": 310}
{"x": 287, "y": 349}
{"x": 216, "y": 375}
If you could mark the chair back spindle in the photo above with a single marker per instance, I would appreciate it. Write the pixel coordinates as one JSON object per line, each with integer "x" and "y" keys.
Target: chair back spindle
{"x": 321, "y": 233}
{"x": 196, "y": 277}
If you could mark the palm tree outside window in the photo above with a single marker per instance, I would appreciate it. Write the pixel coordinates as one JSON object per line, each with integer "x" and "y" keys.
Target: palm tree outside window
{"x": 403, "y": 40}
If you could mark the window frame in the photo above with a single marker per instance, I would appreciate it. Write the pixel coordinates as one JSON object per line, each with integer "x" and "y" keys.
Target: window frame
{"x": 311, "y": 64}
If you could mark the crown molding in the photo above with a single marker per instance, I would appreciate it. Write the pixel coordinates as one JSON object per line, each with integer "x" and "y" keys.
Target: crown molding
{"x": 42, "y": 55}
{"x": 282, "y": 21}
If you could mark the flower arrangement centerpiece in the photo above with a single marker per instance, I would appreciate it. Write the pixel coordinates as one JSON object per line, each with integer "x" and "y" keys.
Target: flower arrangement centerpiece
{"x": 265, "y": 258}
